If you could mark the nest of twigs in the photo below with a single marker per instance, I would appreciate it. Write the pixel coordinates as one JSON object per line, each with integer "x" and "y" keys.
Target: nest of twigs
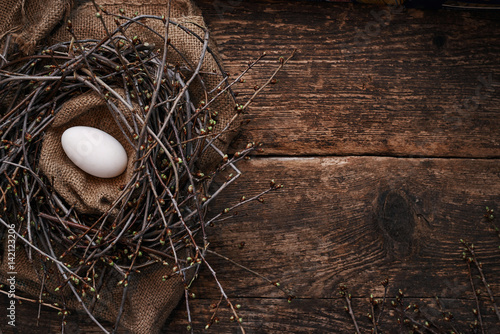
{"x": 164, "y": 204}
{"x": 163, "y": 208}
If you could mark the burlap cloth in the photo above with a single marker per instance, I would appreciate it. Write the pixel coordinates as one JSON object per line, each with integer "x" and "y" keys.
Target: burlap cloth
{"x": 39, "y": 22}
{"x": 89, "y": 194}
{"x": 31, "y": 20}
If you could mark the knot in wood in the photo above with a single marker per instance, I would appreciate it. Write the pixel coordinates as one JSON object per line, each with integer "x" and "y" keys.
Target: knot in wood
{"x": 396, "y": 221}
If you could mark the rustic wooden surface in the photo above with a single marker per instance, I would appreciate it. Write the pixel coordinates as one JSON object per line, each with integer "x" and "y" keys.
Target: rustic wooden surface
{"x": 394, "y": 93}
{"x": 386, "y": 164}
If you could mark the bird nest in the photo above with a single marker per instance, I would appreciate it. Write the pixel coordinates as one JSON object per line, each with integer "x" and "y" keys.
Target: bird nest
{"x": 160, "y": 214}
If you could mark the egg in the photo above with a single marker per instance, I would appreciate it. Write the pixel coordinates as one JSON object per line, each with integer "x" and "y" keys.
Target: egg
{"x": 94, "y": 151}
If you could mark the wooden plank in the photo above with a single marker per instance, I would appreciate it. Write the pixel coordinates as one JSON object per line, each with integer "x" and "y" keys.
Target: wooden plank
{"x": 360, "y": 218}
{"x": 353, "y": 220}
{"x": 365, "y": 81}
{"x": 271, "y": 315}
{"x": 357, "y": 220}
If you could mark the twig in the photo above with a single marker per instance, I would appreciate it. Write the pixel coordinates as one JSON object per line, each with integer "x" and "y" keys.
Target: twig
{"x": 276, "y": 284}
{"x": 479, "y": 267}
{"x": 33, "y": 301}
{"x": 347, "y": 297}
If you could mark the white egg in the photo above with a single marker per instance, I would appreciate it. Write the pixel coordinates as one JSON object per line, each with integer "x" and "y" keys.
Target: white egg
{"x": 94, "y": 151}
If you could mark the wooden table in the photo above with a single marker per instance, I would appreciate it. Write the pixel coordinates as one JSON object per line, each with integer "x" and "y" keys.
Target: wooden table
{"x": 384, "y": 129}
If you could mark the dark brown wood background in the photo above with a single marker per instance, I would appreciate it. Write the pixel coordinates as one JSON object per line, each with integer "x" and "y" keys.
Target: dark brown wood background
{"x": 388, "y": 147}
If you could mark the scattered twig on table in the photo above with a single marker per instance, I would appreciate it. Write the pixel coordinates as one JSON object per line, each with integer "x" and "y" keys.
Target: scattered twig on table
{"x": 348, "y": 308}
{"x": 479, "y": 266}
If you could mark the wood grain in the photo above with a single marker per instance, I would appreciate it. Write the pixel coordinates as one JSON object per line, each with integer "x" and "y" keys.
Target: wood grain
{"x": 364, "y": 81}
{"x": 353, "y": 220}
{"x": 358, "y": 219}
{"x": 272, "y": 315}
